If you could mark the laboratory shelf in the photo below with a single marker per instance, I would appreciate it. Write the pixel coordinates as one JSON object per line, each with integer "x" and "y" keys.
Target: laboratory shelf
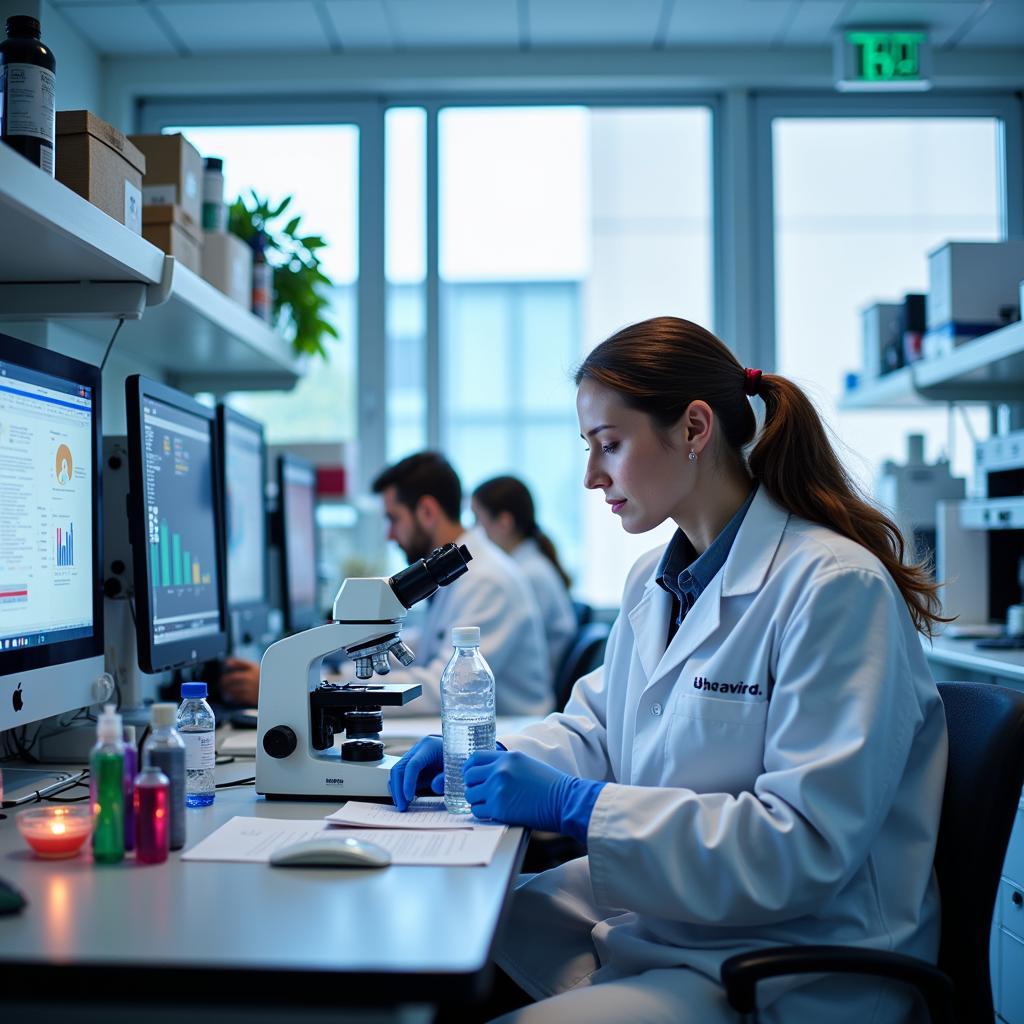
{"x": 986, "y": 370}
{"x": 63, "y": 259}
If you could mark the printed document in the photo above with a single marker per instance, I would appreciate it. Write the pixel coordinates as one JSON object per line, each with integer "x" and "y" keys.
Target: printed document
{"x": 253, "y": 840}
{"x": 425, "y": 814}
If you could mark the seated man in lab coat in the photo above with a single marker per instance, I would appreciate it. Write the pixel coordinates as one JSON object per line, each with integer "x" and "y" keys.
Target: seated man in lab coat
{"x": 422, "y": 502}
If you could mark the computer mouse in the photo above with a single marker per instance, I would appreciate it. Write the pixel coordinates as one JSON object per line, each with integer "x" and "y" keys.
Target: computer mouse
{"x": 332, "y": 852}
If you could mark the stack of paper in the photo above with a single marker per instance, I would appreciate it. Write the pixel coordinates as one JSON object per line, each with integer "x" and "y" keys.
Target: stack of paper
{"x": 426, "y": 835}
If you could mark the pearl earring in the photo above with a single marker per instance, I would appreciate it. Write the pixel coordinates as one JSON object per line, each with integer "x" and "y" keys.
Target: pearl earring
{"x": 692, "y": 456}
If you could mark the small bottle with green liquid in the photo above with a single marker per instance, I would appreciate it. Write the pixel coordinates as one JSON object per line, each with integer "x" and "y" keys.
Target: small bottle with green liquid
{"x": 106, "y": 772}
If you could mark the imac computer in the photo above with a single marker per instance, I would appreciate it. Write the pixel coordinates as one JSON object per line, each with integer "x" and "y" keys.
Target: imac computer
{"x": 243, "y": 456}
{"x": 175, "y": 527}
{"x": 296, "y": 483}
{"x": 51, "y": 598}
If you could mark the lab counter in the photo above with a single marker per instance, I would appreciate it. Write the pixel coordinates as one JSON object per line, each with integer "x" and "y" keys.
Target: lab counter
{"x": 964, "y": 660}
{"x": 214, "y": 938}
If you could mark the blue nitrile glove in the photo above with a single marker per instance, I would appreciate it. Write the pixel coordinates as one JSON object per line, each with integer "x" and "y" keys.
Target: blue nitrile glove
{"x": 425, "y": 759}
{"x": 511, "y": 787}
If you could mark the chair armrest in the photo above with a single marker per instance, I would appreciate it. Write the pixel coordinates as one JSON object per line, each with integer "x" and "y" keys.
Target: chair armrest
{"x": 741, "y": 973}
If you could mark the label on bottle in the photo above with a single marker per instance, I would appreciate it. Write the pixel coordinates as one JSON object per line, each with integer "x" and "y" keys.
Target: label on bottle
{"x": 199, "y": 751}
{"x": 26, "y": 97}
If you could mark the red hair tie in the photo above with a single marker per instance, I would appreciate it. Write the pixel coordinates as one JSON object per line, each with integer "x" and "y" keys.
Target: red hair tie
{"x": 752, "y": 382}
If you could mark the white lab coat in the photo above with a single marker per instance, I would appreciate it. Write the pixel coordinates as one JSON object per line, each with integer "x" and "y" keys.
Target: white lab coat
{"x": 556, "y": 610}
{"x": 494, "y": 595}
{"x": 775, "y": 775}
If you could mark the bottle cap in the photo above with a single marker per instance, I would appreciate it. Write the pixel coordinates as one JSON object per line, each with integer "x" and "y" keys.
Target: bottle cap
{"x": 163, "y": 715}
{"x": 189, "y": 690}
{"x": 129, "y": 735}
{"x": 466, "y": 636}
{"x": 23, "y": 25}
{"x": 213, "y": 163}
{"x": 108, "y": 725}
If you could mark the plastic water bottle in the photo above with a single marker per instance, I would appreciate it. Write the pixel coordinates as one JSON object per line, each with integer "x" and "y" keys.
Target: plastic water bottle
{"x": 467, "y": 712}
{"x": 196, "y": 725}
{"x": 165, "y": 749}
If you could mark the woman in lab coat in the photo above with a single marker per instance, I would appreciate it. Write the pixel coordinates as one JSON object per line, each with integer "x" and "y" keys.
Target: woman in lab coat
{"x": 504, "y": 508}
{"x": 761, "y": 759}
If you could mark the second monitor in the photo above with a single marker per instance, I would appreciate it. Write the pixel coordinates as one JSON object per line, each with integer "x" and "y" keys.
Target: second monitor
{"x": 243, "y": 471}
{"x": 296, "y": 481}
{"x": 175, "y": 527}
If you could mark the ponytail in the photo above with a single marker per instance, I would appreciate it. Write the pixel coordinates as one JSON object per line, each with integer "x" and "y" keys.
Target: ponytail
{"x": 795, "y": 462}
{"x": 660, "y": 366}
{"x": 509, "y": 494}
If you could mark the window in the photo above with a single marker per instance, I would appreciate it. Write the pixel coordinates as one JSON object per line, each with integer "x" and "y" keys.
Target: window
{"x": 859, "y": 203}
{"x": 558, "y": 225}
{"x": 324, "y": 187}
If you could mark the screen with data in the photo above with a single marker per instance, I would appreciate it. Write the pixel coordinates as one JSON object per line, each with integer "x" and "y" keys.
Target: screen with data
{"x": 46, "y": 508}
{"x": 181, "y": 523}
{"x": 298, "y": 506}
{"x": 246, "y": 529}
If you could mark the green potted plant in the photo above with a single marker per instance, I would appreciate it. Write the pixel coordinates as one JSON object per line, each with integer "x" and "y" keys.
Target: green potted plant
{"x": 300, "y": 302}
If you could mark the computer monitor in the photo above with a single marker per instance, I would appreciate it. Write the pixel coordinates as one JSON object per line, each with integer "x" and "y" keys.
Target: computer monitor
{"x": 296, "y": 483}
{"x": 243, "y": 456}
{"x": 175, "y": 527}
{"x": 51, "y": 596}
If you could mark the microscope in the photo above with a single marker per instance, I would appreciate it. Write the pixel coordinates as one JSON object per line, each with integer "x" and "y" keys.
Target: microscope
{"x": 299, "y": 714}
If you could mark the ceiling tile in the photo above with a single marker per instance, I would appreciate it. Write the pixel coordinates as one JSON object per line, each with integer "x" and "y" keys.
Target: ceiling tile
{"x": 728, "y": 22}
{"x": 572, "y": 23}
{"x": 260, "y": 27}
{"x": 1000, "y": 25}
{"x": 941, "y": 17}
{"x": 360, "y": 24}
{"x": 454, "y": 23}
{"x": 118, "y": 30}
{"x": 813, "y": 23}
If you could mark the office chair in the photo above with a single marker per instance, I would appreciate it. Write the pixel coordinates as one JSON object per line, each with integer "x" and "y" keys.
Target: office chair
{"x": 584, "y": 655}
{"x": 584, "y": 613}
{"x": 983, "y": 787}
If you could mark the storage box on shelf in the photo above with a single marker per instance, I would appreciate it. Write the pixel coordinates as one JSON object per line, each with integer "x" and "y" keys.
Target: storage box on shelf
{"x": 63, "y": 258}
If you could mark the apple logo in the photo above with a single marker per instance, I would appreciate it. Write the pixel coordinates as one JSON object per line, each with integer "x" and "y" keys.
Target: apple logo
{"x": 16, "y": 699}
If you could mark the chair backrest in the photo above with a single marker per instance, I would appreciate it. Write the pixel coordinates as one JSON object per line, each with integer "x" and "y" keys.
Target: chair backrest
{"x": 584, "y": 655}
{"x": 584, "y": 613}
{"x": 983, "y": 787}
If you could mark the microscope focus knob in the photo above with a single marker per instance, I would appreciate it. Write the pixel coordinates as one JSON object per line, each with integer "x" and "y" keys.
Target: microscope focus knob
{"x": 403, "y": 653}
{"x": 280, "y": 741}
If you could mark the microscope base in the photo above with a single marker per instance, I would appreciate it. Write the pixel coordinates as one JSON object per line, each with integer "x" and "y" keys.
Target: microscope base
{"x": 323, "y": 778}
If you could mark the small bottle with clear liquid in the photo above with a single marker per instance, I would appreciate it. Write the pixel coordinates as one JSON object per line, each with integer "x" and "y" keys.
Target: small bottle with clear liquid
{"x": 467, "y": 712}
{"x": 196, "y": 724}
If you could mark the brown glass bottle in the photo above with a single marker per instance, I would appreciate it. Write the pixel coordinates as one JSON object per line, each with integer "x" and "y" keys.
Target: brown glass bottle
{"x": 28, "y": 75}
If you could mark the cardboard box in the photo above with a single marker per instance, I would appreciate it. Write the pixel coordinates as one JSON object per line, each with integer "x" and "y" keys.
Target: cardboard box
{"x": 971, "y": 286}
{"x": 99, "y": 163}
{"x": 227, "y": 265}
{"x": 174, "y": 175}
{"x": 169, "y": 229}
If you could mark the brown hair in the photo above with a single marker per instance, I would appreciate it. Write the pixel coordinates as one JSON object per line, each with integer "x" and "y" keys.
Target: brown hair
{"x": 510, "y": 494}
{"x": 660, "y": 366}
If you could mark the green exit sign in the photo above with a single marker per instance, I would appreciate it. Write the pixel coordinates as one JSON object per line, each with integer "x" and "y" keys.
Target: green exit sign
{"x": 882, "y": 59}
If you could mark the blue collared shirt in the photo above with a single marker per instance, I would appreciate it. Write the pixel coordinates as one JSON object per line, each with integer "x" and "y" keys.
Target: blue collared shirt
{"x": 685, "y": 576}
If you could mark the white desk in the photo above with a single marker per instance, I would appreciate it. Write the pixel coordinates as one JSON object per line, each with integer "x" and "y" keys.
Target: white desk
{"x": 1006, "y": 666}
{"x": 282, "y": 944}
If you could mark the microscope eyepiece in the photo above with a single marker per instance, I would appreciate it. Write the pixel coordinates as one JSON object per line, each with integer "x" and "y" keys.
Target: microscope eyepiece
{"x": 438, "y": 569}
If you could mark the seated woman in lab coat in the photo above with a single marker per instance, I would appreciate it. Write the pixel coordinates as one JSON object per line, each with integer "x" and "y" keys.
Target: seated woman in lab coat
{"x": 761, "y": 759}
{"x": 504, "y": 508}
